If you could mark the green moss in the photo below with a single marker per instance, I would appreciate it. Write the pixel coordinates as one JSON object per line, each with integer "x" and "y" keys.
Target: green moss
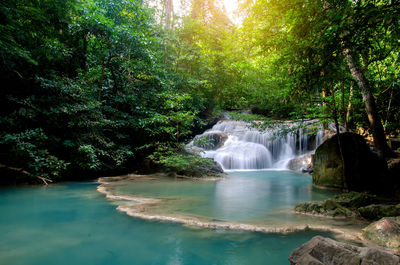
{"x": 354, "y": 199}
{"x": 342, "y": 211}
{"x": 385, "y": 232}
{"x": 377, "y": 211}
{"x": 330, "y": 205}
{"x": 345, "y": 205}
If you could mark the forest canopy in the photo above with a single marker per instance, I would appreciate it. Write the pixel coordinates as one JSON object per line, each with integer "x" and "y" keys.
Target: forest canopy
{"x": 95, "y": 87}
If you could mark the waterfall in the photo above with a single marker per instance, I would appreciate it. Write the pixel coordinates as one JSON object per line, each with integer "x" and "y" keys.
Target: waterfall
{"x": 235, "y": 145}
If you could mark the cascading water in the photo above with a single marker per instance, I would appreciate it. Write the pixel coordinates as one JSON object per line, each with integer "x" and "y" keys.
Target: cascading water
{"x": 235, "y": 145}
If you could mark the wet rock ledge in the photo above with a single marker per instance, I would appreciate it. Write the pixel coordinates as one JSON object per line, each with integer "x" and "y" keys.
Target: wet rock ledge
{"x": 383, "y": 233}
{"x": 325, "y": 251}
{"x": 352, "y": 204}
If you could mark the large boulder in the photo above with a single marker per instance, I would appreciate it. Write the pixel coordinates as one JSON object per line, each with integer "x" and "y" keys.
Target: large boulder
{"x": 325, "y": 251}
{"x": 200, "y": 171}
{"x": 385, "y": 232}
{"x": 362, "y": 170}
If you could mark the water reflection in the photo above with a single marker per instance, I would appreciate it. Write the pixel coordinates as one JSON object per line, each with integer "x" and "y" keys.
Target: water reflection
{"x": 34, "y": 231}
{"x": 249, "y": 197}
{"x": 240, "y": 198}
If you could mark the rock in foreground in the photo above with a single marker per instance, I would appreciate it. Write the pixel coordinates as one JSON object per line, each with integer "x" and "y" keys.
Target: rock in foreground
{"x": 325, "y": 251}
{"x": 385, "y": 232}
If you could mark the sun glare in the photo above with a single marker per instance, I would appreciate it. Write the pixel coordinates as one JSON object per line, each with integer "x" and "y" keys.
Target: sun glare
{"x": 230, "y": 6}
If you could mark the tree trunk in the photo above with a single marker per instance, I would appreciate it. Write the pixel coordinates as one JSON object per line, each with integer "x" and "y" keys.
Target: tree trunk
{"x": 169, "y": 12}
{"x": 370, "y": 106}
{"x": 342, "y": 109}
{"x": 348, "y": 110}
{"x": 324, "y": 96}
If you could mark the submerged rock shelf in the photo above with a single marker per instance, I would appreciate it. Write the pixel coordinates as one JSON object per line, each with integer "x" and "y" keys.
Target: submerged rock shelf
{"x": 162, "y": 208}
{"x": 78, "y": 225}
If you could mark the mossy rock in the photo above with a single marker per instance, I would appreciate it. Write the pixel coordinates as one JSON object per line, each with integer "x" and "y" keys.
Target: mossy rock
{"x": 328, "y": 208}
{"x": 301, "y": 207}
{"x": 310, "y": 207}
{"x": 330, "y": 205}
{"x": 362, "y": 170}
{"x": 342, "y": 205}
{"x": 342, "y": 211}
{"x": 385, "y": 232}
{"x": 377, "y": 211}
{"x": 354, "y": 199}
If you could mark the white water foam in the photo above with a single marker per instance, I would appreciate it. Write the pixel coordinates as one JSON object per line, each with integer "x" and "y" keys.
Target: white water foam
{"x": 247, "y": 148}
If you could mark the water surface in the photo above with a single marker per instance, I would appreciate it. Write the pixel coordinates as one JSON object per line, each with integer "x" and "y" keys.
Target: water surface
{"x": 256, "y": 197}
{"x": 252, "y": 200}
{"x": 72, "y": 223}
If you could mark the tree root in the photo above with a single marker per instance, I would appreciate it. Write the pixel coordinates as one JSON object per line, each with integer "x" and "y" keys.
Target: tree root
{"x": 21, "y": 170}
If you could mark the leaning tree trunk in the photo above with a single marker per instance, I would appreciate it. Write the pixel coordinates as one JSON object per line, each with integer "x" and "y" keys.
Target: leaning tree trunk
{"x": 370, "y": 106}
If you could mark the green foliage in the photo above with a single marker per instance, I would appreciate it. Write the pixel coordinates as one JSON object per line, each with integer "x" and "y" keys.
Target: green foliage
{"x": 91, "y": 86}
{"x": 204, "y": 142}
{"x": 91, "y": 75}
{"x": 241, "y": 116}
{"x": 179, "y": 162}
{"x": 298, "y": 46}
{"x": 29, "y": 149}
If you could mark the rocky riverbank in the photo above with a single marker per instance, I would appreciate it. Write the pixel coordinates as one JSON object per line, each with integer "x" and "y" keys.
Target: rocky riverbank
{"x": 354, "y": 166}
{"x": 384, "y": 233}
{"x": 352, "y": 204}
{"x": 325, "y": 251}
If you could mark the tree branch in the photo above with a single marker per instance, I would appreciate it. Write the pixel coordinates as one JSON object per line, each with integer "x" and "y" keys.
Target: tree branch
{"x": 21, "y": 170}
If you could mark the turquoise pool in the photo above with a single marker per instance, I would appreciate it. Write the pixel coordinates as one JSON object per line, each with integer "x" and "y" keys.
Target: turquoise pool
{"x": 72, "y": 223}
